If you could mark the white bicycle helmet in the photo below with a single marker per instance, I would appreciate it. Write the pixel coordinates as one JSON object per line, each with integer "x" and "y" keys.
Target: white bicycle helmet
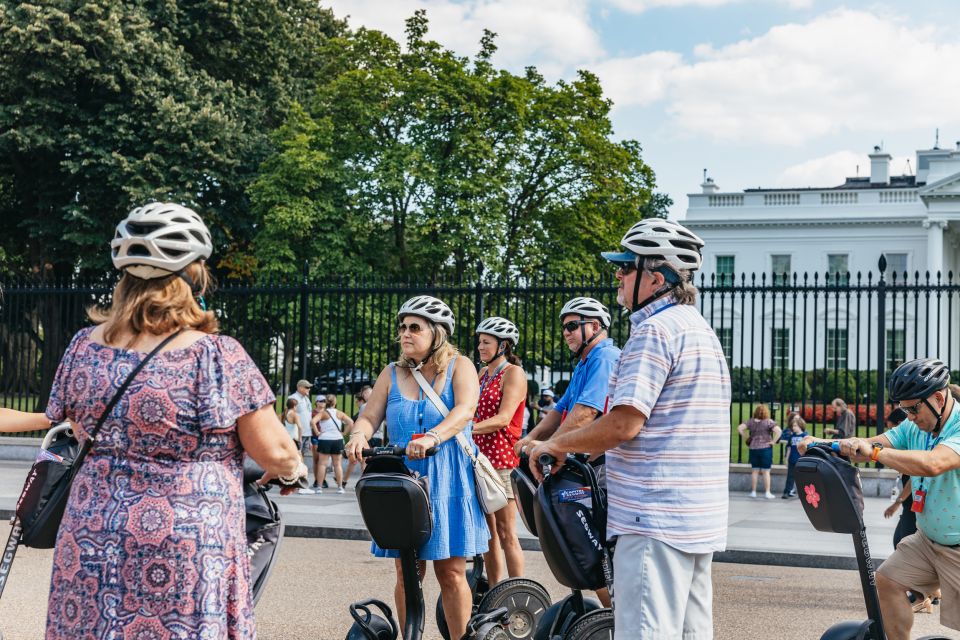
{"x": 500, "y": 328}
{"x": 433, "y": 309}
{"x": 588, "y": 308}
{"x": 159, "y": 239}
{"x": 657, "y": 238}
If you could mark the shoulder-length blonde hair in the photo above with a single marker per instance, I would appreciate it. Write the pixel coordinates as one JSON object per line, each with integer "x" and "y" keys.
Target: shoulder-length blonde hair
{"x": 156, "y": 306}
{"x": 443, "y": 351}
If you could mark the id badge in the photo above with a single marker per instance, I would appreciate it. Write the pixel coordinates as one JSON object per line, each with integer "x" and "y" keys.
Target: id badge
{"x": 918, "y": 499}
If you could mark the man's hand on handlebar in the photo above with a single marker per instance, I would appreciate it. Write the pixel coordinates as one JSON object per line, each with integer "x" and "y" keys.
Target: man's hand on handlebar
{"x": 857, "y": 449}
{"x": 549, "y": 448}
{"x": 525, "y": 446}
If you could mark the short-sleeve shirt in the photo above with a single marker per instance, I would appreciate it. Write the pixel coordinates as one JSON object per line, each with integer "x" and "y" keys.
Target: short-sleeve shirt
{"x": 846, "y": 424}
{"x": 761, "y": 433}
{"x": 304, "y": 410}
{"x": 590, "y": 383}
{"x": 940, "y": 518}
{"x": 670, "y": 481}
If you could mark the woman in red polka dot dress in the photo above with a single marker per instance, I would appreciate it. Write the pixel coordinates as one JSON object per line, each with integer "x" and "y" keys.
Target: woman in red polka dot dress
{"x": 497, "y": 427}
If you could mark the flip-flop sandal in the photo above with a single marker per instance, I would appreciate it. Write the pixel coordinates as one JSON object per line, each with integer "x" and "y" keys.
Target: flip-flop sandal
{"x": 923, "y": 606}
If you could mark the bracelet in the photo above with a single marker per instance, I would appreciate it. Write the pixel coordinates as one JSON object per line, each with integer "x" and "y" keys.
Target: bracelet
{"x": 436, "y": 436}
{"x": 300, "y": 472}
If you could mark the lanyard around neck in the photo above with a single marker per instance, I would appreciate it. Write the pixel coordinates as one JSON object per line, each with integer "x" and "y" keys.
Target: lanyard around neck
{"x": 487, "y": 377}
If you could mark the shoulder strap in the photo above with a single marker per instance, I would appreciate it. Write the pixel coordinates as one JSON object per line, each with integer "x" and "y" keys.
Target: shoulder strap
{"x": 442, "y": 408}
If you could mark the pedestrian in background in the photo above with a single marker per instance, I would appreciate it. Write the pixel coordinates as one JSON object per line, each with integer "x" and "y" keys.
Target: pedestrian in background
{"x": 328, "y": 427}
{"x": 760, "y": 432}
{"x": 302, "y": 396}
{"x": 796, "y": 431}
{"x": 845, "y": 422}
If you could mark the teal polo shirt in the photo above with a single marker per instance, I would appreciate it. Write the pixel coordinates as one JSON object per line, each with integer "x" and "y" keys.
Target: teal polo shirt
{"x": 940, "y": 519}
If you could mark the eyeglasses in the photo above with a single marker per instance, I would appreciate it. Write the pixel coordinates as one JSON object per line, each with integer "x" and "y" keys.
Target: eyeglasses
{"x": 573, "y": 325}
{"x": 625, "y": 268}
{"x": 414, "y": 328}
{"x": 913, "y": 409}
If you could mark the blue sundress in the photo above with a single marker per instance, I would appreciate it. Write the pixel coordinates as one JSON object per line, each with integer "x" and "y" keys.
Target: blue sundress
{"x": 459, "y": 526}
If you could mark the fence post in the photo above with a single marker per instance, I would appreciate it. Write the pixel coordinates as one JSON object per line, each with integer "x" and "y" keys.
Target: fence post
{"x": 881, "y": 345}
{"x": 303, "y": 320}
{"x": 478, "y": 307}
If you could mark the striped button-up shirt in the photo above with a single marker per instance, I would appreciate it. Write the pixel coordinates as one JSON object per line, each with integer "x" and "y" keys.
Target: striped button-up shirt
{"x": 670, "y": 481}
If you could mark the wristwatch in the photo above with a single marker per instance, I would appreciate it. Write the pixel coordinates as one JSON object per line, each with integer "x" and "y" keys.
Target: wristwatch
{"x": 877, "y": 448}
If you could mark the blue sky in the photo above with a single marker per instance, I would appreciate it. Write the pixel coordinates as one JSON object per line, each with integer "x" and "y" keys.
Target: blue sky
{"x": 772, "y": 93}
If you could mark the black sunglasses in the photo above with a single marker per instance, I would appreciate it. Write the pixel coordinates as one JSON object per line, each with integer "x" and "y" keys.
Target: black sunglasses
{"x": 574, "y": 324}
{"x": 912, "y": 410}
{"x": 625, "y": 268}
{"x": 414, "y": 327}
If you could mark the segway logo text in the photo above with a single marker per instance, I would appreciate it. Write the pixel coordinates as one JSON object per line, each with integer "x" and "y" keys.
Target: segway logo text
{"x": 586, "y": 527}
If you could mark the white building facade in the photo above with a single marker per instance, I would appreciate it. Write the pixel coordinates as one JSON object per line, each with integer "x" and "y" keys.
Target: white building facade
{"x": 792, "y": 236}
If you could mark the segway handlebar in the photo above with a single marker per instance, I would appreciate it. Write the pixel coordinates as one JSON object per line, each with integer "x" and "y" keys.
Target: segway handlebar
{"x": 391, "y": 450}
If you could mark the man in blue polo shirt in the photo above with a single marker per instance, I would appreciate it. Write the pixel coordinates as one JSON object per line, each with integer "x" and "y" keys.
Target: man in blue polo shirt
{"x": 925, "y": 446}
{"x": 584, "y": 322}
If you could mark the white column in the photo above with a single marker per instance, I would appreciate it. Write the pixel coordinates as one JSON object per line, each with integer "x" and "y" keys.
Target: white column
{"x": 935, "y": 247}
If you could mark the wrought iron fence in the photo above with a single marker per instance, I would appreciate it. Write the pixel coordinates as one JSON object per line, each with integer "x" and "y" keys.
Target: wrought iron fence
{"x": 795, "y": 342}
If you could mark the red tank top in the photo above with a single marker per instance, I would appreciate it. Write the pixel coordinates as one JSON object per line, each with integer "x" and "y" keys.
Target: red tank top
{"x": 497, "y": 446}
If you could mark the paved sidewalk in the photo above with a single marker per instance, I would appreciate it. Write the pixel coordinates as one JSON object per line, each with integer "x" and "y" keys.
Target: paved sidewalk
{"x": 769, "y": 532}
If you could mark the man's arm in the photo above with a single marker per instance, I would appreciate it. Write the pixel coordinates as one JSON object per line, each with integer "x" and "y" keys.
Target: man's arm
{"x": 622, "y": 424}
{"x": 938, "y": 461}
{"x": 580, "y": 416}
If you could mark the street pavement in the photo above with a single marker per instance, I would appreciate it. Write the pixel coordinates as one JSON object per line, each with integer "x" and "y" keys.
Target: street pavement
{"x": 769, "y": 532}
{"x": 316, "y": 579}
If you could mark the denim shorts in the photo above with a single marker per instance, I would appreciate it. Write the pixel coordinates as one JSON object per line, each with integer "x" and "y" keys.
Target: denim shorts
{"x": 761, "y": 458}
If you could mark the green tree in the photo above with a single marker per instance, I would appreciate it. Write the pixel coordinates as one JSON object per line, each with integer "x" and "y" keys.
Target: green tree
{"x": 416, "y": 162}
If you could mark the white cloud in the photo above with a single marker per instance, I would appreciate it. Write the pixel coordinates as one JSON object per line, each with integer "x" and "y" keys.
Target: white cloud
{"x": 832, "y": 169}
{"x": 554, "y": 35}
{"x": 639, "y": 6}
{"x": 845, "y": 71}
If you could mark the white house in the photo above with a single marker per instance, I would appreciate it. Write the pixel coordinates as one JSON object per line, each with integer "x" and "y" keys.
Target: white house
{"x": 913, "y": 220}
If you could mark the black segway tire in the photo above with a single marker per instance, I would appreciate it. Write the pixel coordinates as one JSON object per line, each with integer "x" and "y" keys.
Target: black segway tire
{"x": 596, "y": 625}
{"x": 526, "y": 601}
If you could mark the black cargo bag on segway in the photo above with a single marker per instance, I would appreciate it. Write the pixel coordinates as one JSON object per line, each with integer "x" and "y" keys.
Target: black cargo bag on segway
{"x": 570, "y": 516}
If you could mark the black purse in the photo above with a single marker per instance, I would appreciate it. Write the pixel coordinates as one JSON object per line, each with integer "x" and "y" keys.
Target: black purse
{"x": 47, "y": 488}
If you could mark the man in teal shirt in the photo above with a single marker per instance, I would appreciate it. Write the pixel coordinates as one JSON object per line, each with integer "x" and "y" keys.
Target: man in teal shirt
{"x": 926, "y": 447}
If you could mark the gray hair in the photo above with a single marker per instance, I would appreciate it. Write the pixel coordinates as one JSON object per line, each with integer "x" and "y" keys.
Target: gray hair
{"x": 685, "y": 292}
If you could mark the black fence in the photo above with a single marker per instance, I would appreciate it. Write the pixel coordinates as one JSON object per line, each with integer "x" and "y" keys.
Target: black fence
{"x": 791, "y": 343}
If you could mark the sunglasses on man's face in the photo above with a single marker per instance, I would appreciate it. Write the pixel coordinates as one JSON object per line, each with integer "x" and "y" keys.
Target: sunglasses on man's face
{"x": 912, "y": 410}
{"x": 413, "y": 327}
{"x": 573, "y": 325}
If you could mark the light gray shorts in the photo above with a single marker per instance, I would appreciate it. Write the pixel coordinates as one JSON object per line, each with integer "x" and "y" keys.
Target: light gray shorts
{"x": 661, "y": 593}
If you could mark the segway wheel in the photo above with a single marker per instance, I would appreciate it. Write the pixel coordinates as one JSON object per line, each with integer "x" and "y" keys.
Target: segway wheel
{"x": 525, "y": 601}
{"x": 596, "y": 625}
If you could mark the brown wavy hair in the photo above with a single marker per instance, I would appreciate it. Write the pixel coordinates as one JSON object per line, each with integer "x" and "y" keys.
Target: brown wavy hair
{"x": 157, "y": 306}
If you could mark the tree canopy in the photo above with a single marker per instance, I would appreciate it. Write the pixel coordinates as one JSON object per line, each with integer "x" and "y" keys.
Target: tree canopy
{"x": 415, "y": 162}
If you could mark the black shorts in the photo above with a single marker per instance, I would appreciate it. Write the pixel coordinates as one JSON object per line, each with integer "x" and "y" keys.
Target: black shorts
{"x": 328, "y": 447}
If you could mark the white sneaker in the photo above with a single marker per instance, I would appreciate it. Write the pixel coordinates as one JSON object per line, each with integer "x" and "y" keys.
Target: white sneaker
{"x": 305, "y": 492}
{"x": 341, "y": 490}
{"x": 769, "y": 496}
{"x": 318, "y": 491}
{"x": 753, "y": 494}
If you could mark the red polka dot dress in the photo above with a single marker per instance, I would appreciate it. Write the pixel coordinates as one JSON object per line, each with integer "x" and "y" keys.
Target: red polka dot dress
{"x": 497, "y": 446}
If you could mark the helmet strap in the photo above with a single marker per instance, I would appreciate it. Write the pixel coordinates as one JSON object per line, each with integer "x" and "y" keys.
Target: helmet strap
{"x": 671, "y": 279}
{"x": 432, "y": 350}
{"x": 940, "y": 413}
{"x": 584, "y": 343}
{"x": 194, "y": 289}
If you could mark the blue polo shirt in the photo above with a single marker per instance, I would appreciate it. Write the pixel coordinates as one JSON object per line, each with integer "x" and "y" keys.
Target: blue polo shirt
{"x": 940, "y": 518}
{"x": 590, "y": 383}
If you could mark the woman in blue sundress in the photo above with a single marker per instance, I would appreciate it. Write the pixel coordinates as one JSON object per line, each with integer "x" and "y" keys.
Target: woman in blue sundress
{"x": 459, "y": 527}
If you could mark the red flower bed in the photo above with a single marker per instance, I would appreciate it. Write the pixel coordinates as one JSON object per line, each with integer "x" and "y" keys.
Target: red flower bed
{"x": 866, "y": 414}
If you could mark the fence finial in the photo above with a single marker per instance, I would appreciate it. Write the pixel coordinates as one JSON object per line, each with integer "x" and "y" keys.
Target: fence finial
{"x": 882, "y": 263}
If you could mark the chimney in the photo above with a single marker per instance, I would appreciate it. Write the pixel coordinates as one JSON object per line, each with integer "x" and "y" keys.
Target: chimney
{"x": 880, "y": 166}
{"x": 709, "y": 186}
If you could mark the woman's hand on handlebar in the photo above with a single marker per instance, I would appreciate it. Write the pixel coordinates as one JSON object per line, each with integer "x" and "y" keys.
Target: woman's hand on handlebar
{"x": 417, "y": 449}
{"x": 355, "y": 447}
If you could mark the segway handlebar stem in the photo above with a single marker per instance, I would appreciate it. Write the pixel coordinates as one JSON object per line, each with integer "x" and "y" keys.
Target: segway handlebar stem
{"x": 391, "y": 450}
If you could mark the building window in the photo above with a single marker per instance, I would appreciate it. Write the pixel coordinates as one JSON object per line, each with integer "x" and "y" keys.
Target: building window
{"x": 836, "y": 348}
{"x": 896, "y": 348}
{"x": 838, "y": 268}
{"x": 780, "y": 268}
{"x": 725, "y": 269}
{"x": 896, "y": 266}
{"x": 781, "y": 348}
{"x": 725, "y": 336}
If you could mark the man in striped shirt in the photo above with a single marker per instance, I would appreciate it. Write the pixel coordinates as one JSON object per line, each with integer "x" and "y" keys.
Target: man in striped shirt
{"x": 667, "y": 441}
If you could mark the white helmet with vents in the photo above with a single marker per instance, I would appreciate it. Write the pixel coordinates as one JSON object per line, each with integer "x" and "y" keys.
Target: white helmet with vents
{"x": 658, "y": 238}
{"x": 433, "y": 309}
{"x": 588, "y": 308}
{"x": 500, "y": 328}
{"x": 160, "y": 239}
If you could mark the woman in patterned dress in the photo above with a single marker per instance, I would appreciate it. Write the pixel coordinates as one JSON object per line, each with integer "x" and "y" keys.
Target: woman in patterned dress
{"x": 152, "y": 544}
{"x": 497, "y": 426}
{"x": 459, "y": 528}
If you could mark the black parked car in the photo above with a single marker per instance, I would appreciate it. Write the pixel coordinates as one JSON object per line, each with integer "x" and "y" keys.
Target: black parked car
{"x": 343, "y": 380}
